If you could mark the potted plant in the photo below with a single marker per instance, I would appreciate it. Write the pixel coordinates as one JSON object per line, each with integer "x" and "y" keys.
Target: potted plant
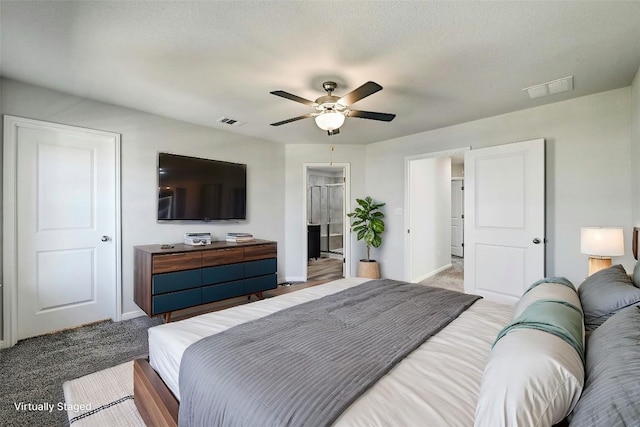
{"x": 368, "y": 223}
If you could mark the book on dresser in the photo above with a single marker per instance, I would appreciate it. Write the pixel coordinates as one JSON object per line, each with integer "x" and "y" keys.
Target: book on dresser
{"x": 239, "y": 237}
{"x": 183, "y": 276}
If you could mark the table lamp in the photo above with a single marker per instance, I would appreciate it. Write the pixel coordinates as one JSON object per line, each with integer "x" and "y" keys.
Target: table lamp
{"x": 601, "y": 243}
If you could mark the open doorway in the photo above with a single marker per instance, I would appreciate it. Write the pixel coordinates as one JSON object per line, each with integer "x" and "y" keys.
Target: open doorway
{"x": 434, "y": 219}
{"x": 326, "y": 196}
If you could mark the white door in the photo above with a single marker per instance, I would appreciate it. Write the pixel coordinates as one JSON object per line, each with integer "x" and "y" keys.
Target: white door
{"x": 504, "y": 219}
{"x": 66, "y": 196}
{"x": 457, "y": 217}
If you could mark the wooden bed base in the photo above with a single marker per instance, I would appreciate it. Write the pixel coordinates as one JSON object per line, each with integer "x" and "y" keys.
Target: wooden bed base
{"x": 155, "y": 402}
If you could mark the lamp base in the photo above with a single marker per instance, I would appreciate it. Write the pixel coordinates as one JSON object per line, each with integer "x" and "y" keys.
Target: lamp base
{"x": 597, "y": 264}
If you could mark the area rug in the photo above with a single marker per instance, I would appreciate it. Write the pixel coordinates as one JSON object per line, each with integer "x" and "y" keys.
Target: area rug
{"x": 104, "y": 398}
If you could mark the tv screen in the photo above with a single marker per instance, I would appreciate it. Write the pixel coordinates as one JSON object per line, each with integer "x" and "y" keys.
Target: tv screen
{"x": 194, "y": 189}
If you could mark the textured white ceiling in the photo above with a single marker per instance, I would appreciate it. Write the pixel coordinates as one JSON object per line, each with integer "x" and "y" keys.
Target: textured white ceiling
{"x": 440, "y": 63}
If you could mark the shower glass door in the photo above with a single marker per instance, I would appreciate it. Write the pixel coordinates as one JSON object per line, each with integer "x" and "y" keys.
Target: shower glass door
{"x": 325, "y": 204}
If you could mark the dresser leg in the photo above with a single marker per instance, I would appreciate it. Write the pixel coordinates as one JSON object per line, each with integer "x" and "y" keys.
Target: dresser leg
{"x": 167, "y": 317}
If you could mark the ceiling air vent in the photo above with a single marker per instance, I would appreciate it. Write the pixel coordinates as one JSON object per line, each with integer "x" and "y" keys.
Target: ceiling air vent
{"x": 550, "y": 88}
{"x": 231, "y": 122}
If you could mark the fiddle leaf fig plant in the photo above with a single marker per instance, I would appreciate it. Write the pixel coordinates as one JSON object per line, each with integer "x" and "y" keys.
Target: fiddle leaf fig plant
{"x": 368, "y": 223}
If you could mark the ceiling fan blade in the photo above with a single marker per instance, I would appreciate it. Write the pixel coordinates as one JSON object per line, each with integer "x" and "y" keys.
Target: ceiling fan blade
{"x": 293, "y": 97}
{"x": 284, "y": 122}
{"x": 363, "y": 91}
{"x": 385, "y": 117}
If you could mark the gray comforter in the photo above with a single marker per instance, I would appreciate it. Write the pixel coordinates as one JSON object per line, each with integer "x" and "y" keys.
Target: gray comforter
{"x": 303, "y": 366}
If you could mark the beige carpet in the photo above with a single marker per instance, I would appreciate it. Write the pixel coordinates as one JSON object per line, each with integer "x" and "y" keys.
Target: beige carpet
{"x": 452, "y": 278}
{"x": 104, "y": 398}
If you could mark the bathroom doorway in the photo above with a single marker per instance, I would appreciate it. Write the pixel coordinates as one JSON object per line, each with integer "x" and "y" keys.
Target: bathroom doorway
{"x": 326, "y": 223}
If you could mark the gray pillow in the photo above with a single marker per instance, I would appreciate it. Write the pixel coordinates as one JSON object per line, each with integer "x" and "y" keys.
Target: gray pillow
{"x": 612, "y": 388}
{"x": 605, "y": 293}
{"x": 636, "y": 275}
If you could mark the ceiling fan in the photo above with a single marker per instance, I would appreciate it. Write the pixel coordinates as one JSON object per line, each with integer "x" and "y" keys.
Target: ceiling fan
{"x": 330, "y": 110}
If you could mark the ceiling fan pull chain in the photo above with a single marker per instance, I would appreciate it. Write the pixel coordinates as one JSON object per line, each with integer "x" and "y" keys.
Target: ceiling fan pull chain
{"x": 331, "y": 156}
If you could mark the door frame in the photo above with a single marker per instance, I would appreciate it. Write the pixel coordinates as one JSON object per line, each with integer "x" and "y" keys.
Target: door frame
{"x": 461, "y": 178}
{"x": 407, "y": 199}
{"x": 10, "y": 220}
{"x": 346, "y": 234}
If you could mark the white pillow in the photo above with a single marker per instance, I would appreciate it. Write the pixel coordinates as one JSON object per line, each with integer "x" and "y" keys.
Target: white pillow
{"x": 532, "y": 378}
{"x": 553, "y": 291}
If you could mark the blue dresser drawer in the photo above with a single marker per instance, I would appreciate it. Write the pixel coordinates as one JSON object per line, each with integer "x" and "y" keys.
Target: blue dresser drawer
{"x": 176, "y": 300}
{"x": 260, "y": 267}
{"x": 223, "y": 273}
{"x": 259, "y": 284}
{"x": 171, "y": 282}
{"x": 222, "y": 291}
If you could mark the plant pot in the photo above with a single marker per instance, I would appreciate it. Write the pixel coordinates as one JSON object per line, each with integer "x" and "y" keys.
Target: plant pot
{"x": 369, "y": 269}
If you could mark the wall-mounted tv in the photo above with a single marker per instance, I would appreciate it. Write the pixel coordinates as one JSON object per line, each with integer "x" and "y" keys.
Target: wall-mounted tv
{"x": 194, "y": 189}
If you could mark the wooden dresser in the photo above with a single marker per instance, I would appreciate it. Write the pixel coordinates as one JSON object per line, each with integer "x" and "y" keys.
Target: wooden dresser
{"x": 184, "y": 276}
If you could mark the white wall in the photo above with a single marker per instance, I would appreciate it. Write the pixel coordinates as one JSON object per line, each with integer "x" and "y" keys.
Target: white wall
{"x": 295, "y": 244}
{"x": 143, "y": 136}
{"x": 1, "y": 215}
{"x": 635, "y": 147}
{"x": 429, "y": 216}
{"x": 588, "y": 172}
{"x": 589, "y": 176}
{"x": 457, "y": 171}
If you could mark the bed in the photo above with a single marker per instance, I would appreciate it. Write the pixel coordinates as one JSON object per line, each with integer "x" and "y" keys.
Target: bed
{"x": 454, "y": 378}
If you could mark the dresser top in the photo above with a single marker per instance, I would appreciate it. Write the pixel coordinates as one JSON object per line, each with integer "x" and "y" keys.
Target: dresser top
{"x": 181, "y": 247}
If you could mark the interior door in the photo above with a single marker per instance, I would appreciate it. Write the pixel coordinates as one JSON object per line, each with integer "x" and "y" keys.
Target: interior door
{"x": 504, "y": 219}
{"x": 457, "y": 217}
{"x": 66, "y": 228}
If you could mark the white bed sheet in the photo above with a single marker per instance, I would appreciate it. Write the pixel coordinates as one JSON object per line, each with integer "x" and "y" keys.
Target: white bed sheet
{"x": 437, "y": 384}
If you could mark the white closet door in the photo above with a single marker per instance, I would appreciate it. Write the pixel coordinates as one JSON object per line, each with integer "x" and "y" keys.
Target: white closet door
{"x": 66, "y": 228}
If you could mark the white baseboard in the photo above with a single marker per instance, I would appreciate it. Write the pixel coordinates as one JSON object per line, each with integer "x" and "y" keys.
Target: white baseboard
{"x": 4, "y": 344}
{"x": 133, "y": 314}
{"x": 433, "y": 273}
{"x": 295, "y": 279}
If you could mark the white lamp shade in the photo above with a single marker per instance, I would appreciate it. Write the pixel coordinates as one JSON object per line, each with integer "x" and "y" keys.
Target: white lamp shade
{"x": 602, "y": 241}
{"x": 330, "y": 120}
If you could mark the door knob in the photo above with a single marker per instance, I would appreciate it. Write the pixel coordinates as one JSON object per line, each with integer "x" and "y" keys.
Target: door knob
{"x": 536, "y": 241}
{"x": 105, "y": 238}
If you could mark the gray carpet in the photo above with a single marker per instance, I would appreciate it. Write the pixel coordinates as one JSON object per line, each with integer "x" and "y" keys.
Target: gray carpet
{"x": 34, "y": 369}
{"x": 452, "y": 278}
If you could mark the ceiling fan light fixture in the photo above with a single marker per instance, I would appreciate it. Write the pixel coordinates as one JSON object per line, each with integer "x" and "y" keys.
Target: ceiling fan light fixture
{"x": 330, "y": 120}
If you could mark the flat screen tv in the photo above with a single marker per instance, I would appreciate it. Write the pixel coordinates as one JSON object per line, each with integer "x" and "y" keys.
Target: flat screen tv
{"x": 194, "y": 189}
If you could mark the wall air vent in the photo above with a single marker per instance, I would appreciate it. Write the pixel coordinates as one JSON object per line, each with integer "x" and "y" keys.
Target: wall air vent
{"x": 231, "y": 122}
{"x": 550, "y": 88}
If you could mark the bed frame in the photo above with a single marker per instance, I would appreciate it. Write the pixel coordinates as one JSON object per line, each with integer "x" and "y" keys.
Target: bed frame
{"x": 155, "y": 402}
{"x": 158, "y": 406}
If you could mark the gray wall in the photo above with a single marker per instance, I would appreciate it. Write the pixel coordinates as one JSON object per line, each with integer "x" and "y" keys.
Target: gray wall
{"x": 588, "y": 172}
{"x": 143, "y": 136}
